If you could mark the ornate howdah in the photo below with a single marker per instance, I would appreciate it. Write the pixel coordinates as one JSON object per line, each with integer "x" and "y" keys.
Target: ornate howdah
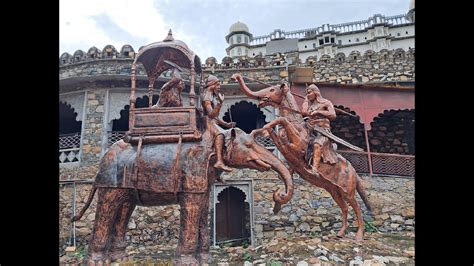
{"x": 167, "y": 124}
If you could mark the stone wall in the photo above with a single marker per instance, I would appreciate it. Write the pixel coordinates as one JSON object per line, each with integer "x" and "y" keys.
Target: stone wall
{"x": 93, "y": 126}
{"x": 386, "y": 65}
{"x": 311, "y": 212}
{"x": 377, "y": 67}
{"x": 393, "y": 132}
{"x": 350, "y": 129}
{"x": 99, "y": 67}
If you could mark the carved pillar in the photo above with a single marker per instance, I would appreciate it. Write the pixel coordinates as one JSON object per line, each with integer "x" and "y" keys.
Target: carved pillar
{"x": 191, "y": 90}
{"x": 132, "y": 97}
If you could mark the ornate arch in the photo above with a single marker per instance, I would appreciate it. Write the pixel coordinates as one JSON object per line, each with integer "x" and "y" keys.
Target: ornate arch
{"x": 118, "y": 101}
{"x": 393, "y": 131}
{"x": 67, "y": 122}
{"x": 76, "y": 101}
{"x": 245, "y": 188}
{"x": 267, "y": 112}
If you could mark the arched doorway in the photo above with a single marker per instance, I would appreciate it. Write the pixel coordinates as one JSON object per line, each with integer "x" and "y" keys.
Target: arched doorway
{"x": 246, "y": 115}
{"x": 232, "y": 217}
{"x": 69, "y": 134}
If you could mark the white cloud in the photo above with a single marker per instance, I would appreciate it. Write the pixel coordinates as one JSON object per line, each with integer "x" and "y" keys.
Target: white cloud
{"x": 78, "y": 30}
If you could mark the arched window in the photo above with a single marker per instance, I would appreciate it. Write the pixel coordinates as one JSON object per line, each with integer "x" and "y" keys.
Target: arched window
{"x": 246, "y": 115}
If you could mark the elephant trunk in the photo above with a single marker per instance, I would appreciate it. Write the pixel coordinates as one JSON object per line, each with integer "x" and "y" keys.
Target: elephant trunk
{"x": 247, "y": 91}
{"x": 281, "y": 197}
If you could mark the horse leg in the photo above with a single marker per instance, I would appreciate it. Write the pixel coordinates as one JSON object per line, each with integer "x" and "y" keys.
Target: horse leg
{"x": 117, "y": 250}
{"x": 294, "y": 138}
{"x": 360, "y": 230}
{"x": 191, "y": 204}
{"x": 203, "y": 239}
{"x": 338, "y": 198}
{"x": 109, "y": 202}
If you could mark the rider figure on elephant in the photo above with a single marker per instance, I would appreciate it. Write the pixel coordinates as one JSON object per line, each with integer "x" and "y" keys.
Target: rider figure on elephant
{"x": 212, "y": 103}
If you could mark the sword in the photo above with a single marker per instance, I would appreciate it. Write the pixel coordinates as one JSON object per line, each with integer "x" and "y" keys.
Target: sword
{"x": 335, "y": 138}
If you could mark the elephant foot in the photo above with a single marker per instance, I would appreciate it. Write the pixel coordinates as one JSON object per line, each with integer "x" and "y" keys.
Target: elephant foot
{"x": 359, "y": 236}
{"x": 341, "y": 233}
{"x": 118, "y": 255}
{"x": 95, "y": 259}
{"x": 205, "y": 258}
{"x": 185, "y": 260}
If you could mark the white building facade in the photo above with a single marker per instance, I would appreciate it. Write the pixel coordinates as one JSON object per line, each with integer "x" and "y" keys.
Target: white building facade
{"x": 376, "y": 33}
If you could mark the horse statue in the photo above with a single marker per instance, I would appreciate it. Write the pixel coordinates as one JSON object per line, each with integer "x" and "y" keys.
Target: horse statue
{"x": 169, "y": 174}
{"x": 339, "y": 179}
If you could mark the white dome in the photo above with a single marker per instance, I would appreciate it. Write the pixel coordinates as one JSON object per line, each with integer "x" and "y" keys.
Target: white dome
{"x": 238, "y": 26}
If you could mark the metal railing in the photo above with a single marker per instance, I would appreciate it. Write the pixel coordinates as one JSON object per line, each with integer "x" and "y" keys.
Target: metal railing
{"x": 69, "y": 147}
{"x": 382, "y": 163}
{"x": 267, "y": 142}
{"x": 341, "y": 28}
{"x": 114, "y": 136}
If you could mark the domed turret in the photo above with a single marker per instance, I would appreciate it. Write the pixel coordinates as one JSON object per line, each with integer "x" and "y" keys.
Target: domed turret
{"x": 238, "y": 26}
{"x": 239, "y": 38}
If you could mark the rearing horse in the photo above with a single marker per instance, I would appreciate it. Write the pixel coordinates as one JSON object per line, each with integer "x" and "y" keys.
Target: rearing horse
{"x": 339, "y": 179}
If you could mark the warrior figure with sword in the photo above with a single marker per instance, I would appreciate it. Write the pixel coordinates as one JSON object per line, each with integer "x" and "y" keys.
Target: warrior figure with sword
{"x": 318, "y": 112}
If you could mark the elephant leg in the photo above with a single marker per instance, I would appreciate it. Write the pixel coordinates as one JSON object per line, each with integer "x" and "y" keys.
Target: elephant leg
{"x": 109, "y": 201}
{"x": 191, "y": 204}
{"x": 338, "y": 198}
{"x": 117, "y": 249}
{"x": 360, "y": 221}
{"x": 204, "y": 242}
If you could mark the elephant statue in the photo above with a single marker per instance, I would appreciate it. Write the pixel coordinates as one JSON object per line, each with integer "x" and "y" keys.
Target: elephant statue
{"x": 339, "y": 179}
{"x": 169, "y": 173}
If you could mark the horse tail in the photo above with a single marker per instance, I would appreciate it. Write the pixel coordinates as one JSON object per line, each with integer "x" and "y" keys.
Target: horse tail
{"x": 361, "y": 190}
{"x": 89, "y": 200}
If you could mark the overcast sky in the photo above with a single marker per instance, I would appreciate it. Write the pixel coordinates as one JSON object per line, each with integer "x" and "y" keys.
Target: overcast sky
{"x": 201, "y": 24}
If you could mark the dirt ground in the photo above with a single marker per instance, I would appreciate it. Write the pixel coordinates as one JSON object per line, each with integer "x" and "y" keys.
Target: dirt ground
{"x": 376, "y": 249}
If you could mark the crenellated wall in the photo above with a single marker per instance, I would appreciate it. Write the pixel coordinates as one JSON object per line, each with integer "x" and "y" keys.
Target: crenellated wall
{"x": 386, "y": 65}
